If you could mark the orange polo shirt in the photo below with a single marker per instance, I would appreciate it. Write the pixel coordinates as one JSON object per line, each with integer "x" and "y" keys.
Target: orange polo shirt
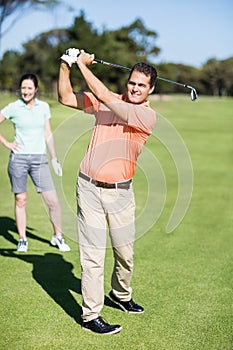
{"x": 115, "y": 145}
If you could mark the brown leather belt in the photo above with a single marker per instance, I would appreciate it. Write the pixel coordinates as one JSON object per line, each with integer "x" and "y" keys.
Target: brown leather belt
{"x": 124, "y": 185}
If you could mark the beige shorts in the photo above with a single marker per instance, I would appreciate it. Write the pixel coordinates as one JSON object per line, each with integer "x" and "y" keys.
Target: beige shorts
{"x": 103, "y": 209}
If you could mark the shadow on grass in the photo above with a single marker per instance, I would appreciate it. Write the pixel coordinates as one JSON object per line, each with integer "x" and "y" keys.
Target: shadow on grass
{"x": 50, "y": 271}
{"x": 55, "y": 276}
{"x": 8, "y": 225}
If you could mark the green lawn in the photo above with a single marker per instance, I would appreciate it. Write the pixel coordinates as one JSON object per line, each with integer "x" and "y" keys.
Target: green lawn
{"x": 182, "y": 278}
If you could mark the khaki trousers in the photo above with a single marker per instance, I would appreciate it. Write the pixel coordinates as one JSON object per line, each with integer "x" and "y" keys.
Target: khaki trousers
{"x": 99, "y": 210}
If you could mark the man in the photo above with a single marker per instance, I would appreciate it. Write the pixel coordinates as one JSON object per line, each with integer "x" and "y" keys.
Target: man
{"x": 104, "y": 186}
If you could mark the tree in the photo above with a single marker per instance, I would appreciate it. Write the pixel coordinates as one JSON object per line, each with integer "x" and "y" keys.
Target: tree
{"x": 15, "y": 9}
{"x": 217, "y": 77}
{"x": 125, "y": 46}
{"x": 9, "y": 71}
{"x": 228, "y": 76}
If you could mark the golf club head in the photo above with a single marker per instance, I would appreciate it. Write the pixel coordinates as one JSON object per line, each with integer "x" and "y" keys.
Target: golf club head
{"x": 193, "y": 94}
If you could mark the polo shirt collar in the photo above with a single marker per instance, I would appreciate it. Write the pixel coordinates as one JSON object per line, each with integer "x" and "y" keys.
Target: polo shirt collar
{"x": 145, "y": 103}
{"x": 23, "y": 104}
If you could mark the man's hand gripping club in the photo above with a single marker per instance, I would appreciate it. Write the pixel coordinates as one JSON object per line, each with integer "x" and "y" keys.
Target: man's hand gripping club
{"x": 71, "y": 55}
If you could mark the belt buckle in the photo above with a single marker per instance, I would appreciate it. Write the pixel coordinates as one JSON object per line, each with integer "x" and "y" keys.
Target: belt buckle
{"x": 99, "y": 183}
{"x": 104, "y": 184}
{"x": 107, "y": 185}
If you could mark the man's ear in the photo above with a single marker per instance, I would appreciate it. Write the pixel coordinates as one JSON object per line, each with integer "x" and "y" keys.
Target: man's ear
{"x": 151, "y": 90}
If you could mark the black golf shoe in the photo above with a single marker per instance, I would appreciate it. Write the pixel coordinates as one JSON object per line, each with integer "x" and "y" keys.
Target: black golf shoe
{"x": 98, "y": 325}
{"x": 127, "y": 306}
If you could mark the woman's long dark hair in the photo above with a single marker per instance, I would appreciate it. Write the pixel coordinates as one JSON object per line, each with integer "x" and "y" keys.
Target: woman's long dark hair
{"x": 29, "y": 76}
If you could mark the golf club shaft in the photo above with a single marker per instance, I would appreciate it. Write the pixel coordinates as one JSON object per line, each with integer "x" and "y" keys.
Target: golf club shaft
{"x": 111, "y": 64}
{"x": 129, "y": 69}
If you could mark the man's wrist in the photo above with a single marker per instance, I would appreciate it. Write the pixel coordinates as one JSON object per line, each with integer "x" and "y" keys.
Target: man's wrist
{"x": 65, "y": 64}
{"x": 81, "y": 65}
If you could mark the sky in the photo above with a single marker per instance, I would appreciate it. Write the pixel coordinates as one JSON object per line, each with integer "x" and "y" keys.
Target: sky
{"x": 189, "y": 32}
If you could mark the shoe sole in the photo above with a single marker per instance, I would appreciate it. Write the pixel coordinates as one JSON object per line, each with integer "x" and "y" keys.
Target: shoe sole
{"x": 61, "y": 250}
{"x": 123, "y": 309}
{"x": 22, "y": 250}
{"x": 109, "y": 333}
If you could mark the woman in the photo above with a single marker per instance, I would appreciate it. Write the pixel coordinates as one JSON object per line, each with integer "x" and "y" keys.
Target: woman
{"x": 30, "y": 117}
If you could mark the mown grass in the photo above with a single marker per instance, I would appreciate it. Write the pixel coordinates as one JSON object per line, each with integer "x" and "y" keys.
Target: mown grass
{"x": 183, "y": 279}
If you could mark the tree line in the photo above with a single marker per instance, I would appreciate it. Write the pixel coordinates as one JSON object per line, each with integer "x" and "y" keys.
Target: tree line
{"x": 125, "y": 46}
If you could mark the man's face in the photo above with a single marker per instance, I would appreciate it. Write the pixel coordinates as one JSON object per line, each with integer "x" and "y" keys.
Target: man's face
{"x": 138, "y": 87}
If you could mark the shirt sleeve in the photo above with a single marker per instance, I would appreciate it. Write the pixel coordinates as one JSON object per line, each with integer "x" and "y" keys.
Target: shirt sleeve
{"x": 141, "y": 117}
{"x": 6, "y": 111}
{"x": 91, "y": 103}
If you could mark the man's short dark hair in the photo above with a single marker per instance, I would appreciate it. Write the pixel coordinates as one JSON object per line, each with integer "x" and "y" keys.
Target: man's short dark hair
{"x": 146, "y": 69}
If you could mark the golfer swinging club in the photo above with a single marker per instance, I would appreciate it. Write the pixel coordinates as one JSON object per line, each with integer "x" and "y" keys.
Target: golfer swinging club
{"x": 105, "y": 195}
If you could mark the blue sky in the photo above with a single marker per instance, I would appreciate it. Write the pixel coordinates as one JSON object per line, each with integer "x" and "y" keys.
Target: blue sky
{"x": 189, "y": 32}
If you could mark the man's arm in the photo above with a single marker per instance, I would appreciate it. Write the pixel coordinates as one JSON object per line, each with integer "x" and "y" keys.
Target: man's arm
{"x": 103, "y": 94}
{"x": 66, "y": 95}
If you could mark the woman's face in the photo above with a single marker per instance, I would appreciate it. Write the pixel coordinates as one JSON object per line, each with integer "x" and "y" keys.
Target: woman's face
{"x": 28, "y": 90}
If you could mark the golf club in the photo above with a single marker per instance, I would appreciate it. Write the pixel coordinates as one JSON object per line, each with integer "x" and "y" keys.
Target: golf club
{"x": 193, "y": 90}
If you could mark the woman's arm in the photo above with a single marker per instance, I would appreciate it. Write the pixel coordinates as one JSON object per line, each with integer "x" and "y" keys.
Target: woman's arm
{"x": 49, "y": 139}
{"x": 51, "y": 148}
{"x": 12, "y": 146}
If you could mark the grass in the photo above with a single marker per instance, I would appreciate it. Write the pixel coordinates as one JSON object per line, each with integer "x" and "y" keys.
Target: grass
{"x": 183, "y": 279}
